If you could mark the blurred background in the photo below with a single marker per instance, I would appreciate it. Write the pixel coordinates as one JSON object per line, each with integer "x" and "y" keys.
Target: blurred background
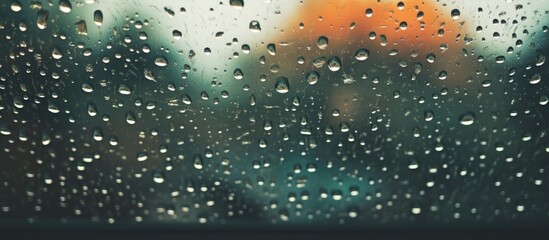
{"x": 363, "y": 113}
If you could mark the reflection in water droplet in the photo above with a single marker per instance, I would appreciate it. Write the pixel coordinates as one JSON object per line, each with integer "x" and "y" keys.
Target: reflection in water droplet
{"x": 334, "y": 64}
{"x": 467, "y": 118}
{"x": 282, "y": 85}
{"x": 362, "y": 54}
{"x": 322, "y": 42}
{"x": 312, "y": 77}
{"x": 65, "y": 6}
{"x": 369, "y": 12}
{"x": 254, "y": 26}
{"x": 42, "y": 19}
{"x": 98, "y": 17}
{"x": 455, "y": 14}
{"x": 535, "y": 79}
{"x": 161, "y": 61}
{"x": 238, "y": 4}
{"x": 271, "y": 48}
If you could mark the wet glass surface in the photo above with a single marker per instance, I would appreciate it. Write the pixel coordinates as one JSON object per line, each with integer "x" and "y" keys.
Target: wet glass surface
{"x": 362, "y": 113}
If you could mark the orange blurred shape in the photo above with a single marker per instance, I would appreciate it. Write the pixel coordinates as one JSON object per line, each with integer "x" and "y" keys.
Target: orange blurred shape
{"x": 417, "y": 23}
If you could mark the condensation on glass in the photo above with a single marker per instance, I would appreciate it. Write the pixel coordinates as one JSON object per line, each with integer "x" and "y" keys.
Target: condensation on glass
{"x": 267, "y": 112}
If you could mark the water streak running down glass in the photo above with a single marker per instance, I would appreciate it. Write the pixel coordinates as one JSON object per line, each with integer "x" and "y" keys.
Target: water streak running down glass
{"x": 292, "y": 113}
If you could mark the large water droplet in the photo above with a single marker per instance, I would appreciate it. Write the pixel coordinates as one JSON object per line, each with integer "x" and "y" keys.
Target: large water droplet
{"x": 255, "y": 26}
{"x": 362, "y": 54}
{"x": 238, "y": 4}
{"x": 467, "y": 118}
{"x": 65, "y": 6}
{"x": 334, "y": 64}
{"x": 161, "y": 61}
{"x": 98, "y": 17}
{"x": 322, "y": 42}
{"x": 282, "y": 84}
{"x": 455, "y": 14}
{"x": 312, "y": 77}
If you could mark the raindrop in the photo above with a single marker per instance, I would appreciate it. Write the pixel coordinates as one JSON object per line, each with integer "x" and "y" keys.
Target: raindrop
{"x": 455, "y": 14}
{"x": 467, "y": 118}
{"x": 56, "y": 53}
{"x": 198, "y": 162}
{"x": 254, "y": 26}
{"x": 312, "y": 77}
{"x": 16, "y": 6}
{"x": 238, "y": 4}
{"x": 282, "y": 84}
{"x": 369, "y": 12}
{"x": 65, "y": 6}
{"x": 431, "y": 58}
{"x": 81, "y": 27}
{"x": 42, "y": 19}
{"x": 238, "y": 75}
{"x": 271, "y": 48}
{"x": 98, "y": 17}
{"x": 161, "y": 61}
{"x": 535, "y": 79}
{"x": 322, "y": 42}
{"x": 334, "y": 64}
{"x": 176, "y": 34}
{"x": 362, "y": 54}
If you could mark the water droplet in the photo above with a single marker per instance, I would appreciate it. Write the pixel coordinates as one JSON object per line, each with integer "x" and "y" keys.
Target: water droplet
{"x": 282, "y": 85}
{"x": 81, "y": 27}
{"x": 442, "y": 75}
{"x": 124, "y": 90}
{"x": 467, "y": 118}
{"x": 16, "y": 6}
{"x": 428, "y": 116}
{"x": 362, "y": 54}
{"x": 98, "y": 17}
{"x": 500, "y": 59}
{"x": 403, "y": 25}
{"x": 142, "y": 156}
{"x": 455, "y": 14}
{"x": 369, "y": 12}
{"x": 158, "y": 177}
{"x": 42, "y": 19}
{"x": 255, "y": 26}
{"x": 271, "y": 48}
{"x": 431, "y": 58}
{"x": 238, "y": 75}
{"x": 161, "y": 61}
{"x": 535, "y": 79}
{"x": 186, "y": 99}
{"x": 413, "y": 165}
{"x": 238, "y": 4}
{"x": 334, "y": 64}
{"x": 56, "y": 53}
{"x": 177, "y": 34}
{"x": 130, "y": 118}
{"x": 312, "y": 77}
{"x": 322, "y": 42}
{"x": 65, "y": 6}
{"x": 198, "y": 162}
